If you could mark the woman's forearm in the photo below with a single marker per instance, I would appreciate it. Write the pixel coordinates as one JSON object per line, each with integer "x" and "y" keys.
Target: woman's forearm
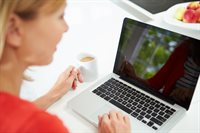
{"x": 44, "y": 102}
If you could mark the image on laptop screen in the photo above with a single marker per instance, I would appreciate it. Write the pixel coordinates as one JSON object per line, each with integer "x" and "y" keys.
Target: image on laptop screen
{"x": 159, "y": 60}
{"x": 156, "y": 6}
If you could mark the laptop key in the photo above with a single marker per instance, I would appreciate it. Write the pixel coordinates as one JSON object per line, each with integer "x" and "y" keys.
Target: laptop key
{"x": 124, "y": 102}
{"x": 121, "y": 96}
{"x": 157, "y": 106}
{"x": 126, "y": 98}
{"x": 147, "y": 100}
{"x": 173, "y": 110}
{"x": 134, "y": 114}
{"x": 124, "y": 108}
{"x": 134, "y": 103}
{"x": 120, "y": 90}
{"x": 169, "y": 112}
{"x": 155, "y": 128}
{"x": 146, "y": 105}
{"x": 150, "y": 123}
{"x": 144, "y": 121}
{"x": 113, "y": 91}
{"x": 98, "y": 93}
{"x": 162, "y": 119}
{"x": 128, "y": 105}
{"x": 139, "y": 106}
{"x": 144, "y": 108}
{"x": 102, "y": 95}
{"x": 162, "y": 108}
{"x": 152, "y": 103}
{"x": 156, "y": 121}
{"x": 124, "y": 92}
{"x": 133, "y": 107}
{"x": 107, "y": 98}
{"x": 130, "y": 91}
{"x": 147, "y": 116}
{"x": 149, "y": 111}
{"x": 151, "y": 108}
{"x": 95, "y": 91}
{"x": 133, "y": 97}
{"x": 130, "y": 100}
{"x": 167, "y": 107}
{"x": 142, "y": 102}
{"x": 161, "y": 113}
{"x": 156, "y": 110}
{"x": 143, "y": 98}
{"x": 108, "y": 93}
{"x": 120, "y": 100}
{"x": 140, "y": 117}
{"x": 166, "y": 116}
{"x": 138, "y": 110}
{"x": 142, "y": 113}
{"x": 128, "y": 95}
{"x": 116, "y": 97}
{"x": 137, "y": 100}
{"x": 154, "y": 114}
{"x": 101, "y": 89}
{"x": 112, "y": 95}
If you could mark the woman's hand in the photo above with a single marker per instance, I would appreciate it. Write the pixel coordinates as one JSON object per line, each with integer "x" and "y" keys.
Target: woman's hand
{"x": 66, "y": 81}
{"x": 114, "y": 122}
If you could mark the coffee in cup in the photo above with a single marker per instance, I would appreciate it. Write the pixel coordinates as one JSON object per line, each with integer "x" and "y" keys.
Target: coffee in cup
{"x": 86, "y": 59}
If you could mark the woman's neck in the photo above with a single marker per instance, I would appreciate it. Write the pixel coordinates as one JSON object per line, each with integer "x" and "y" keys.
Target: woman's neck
{"x": 11, "y": 74}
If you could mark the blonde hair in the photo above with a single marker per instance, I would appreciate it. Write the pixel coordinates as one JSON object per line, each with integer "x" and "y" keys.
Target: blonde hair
{"x": 26, "y": 10}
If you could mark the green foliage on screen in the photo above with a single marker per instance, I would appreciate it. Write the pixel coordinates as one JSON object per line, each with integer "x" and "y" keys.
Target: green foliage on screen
{"x": 154, "y": 52}
{"x": 156, "y": 48}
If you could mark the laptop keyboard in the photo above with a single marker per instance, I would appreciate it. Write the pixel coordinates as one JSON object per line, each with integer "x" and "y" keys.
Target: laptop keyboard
{"x": 142, "y": 107}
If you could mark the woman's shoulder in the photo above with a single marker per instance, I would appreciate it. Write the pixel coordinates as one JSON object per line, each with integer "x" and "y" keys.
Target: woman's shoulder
{"x": 43, "y": 122}
{"x": 22, "y": 116}
{"x": 13, "y": 104}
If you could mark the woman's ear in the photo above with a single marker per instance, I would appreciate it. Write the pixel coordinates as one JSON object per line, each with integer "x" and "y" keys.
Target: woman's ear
{"x": 14, "y": 31}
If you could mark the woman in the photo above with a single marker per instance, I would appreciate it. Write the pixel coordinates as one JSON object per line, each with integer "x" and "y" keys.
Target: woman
{"x": 26, "y": 40}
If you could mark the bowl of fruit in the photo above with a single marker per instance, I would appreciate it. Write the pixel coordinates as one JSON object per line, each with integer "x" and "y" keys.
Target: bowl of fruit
{"x": 185, "y": 15}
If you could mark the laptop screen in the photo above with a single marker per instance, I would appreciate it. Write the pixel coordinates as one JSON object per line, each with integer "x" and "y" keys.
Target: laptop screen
{"x": 159, "y": 61}
{"x": 156, "y": 6}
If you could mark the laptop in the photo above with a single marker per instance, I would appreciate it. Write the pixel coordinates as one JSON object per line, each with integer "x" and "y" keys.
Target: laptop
{"x": 140, "y": 85}
{"x": 145, "y": 9}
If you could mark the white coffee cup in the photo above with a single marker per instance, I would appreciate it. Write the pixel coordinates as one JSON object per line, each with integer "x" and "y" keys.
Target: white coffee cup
{"x": 87, "y": 63}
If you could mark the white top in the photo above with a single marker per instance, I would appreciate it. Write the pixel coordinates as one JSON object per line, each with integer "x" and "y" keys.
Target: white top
{"x": 94, "y": 27}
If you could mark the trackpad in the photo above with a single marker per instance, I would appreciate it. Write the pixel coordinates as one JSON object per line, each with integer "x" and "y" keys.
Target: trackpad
{"x": 101, "y": 111}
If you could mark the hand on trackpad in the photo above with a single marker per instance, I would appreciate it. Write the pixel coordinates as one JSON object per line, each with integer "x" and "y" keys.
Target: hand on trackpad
{"x": 101, "y": 111}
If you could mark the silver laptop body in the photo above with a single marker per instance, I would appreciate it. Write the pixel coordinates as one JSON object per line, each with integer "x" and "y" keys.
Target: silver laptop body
{"x": 92, "y": 103}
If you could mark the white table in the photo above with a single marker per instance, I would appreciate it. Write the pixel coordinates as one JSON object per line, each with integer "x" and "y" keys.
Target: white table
{"x": 95, "y": 27}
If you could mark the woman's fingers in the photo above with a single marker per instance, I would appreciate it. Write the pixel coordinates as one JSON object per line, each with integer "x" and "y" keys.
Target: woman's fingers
{"x": 113, "y": 115}
{"x": 79, "y": 76}
{"x": 114, "y": 122}
{"x": 126, "y": 119}
{"x": 100, "y": 119}
{"x": 72, "y": 76}
{"x": 74, "y": 85}
{"x": 105, "y": 118}
{"x": 119, "y": 116}
{"x": 68, "y": 71}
